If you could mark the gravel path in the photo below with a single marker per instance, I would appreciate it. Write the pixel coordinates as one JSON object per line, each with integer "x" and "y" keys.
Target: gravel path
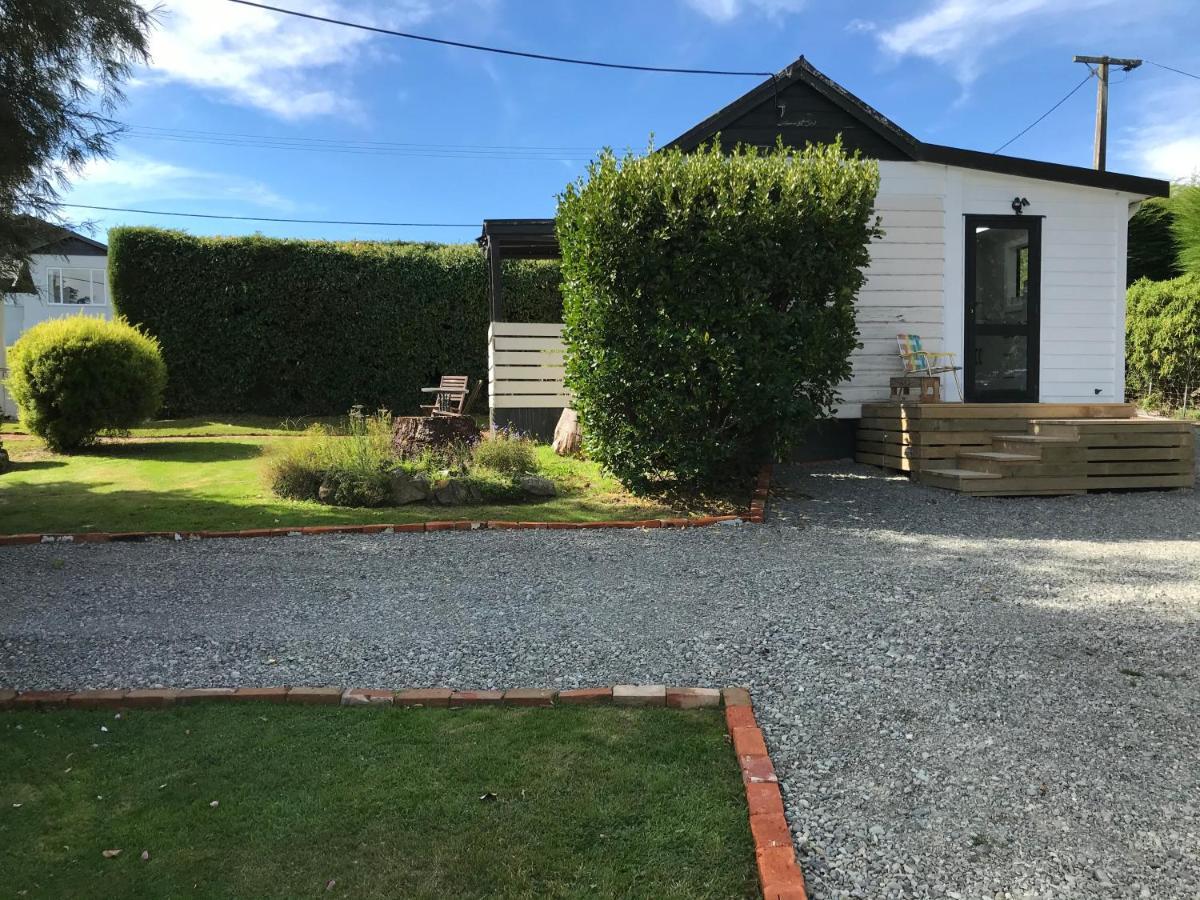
{"x": 965, "y": 698}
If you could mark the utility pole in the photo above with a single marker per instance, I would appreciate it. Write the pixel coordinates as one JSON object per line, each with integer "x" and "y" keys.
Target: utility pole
{"x": 1101, "y": 72}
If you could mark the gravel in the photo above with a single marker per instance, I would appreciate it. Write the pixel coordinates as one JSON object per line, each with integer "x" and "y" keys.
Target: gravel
{"x": 965, "y": 698}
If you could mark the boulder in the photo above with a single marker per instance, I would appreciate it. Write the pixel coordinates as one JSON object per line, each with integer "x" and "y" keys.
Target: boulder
{"x": 568, "y": 436}
{"x": 537, "y": 486}
{"x": 458, "y": 491}
{"x": 413, "y": 434}
{"x": 407, "y": 488}
{"x": 326, "y": 492}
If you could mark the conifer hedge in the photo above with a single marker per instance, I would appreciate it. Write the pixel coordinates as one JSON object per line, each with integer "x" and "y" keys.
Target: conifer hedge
{"x": 297, "y": 327}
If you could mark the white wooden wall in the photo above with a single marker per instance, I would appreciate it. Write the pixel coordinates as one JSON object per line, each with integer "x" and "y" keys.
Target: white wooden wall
{"x": 525, "y": 366}
{"x": 915, "y": 278}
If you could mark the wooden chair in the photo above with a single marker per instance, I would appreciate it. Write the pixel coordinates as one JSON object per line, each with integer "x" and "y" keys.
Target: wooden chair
{"x": 449, "y": 397}
{"x": 922, "y": 363}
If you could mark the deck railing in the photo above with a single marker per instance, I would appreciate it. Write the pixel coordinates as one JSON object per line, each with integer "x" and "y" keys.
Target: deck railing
{"x": 525, "y": 366}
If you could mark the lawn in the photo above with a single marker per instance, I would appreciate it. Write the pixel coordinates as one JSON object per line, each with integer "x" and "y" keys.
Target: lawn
{"x": 217, "y": 484}
{"x": 210, "y": 425}
{"x": 297, "y": 801}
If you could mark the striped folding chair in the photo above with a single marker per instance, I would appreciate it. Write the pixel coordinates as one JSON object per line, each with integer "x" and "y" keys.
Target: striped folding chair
{"x": 920, "y": 362}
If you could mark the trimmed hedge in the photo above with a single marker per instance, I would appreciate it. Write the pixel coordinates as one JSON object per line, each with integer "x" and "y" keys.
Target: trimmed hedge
{"x": 292, "y": 327}
{"x": 709, "y": 304}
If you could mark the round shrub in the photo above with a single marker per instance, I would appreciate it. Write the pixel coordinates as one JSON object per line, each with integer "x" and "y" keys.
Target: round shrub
{"x": 709, "y": 304}
{"x": 76, "y": 376}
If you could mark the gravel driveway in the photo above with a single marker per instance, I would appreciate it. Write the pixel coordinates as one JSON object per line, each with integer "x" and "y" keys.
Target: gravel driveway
{"x": 965, "y": 698}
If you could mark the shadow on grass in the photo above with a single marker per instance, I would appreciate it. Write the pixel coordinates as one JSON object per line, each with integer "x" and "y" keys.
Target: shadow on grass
{"x": 29, "y": 465}
{"x": 168, "y": 451}
{"x": 65, "y": 506}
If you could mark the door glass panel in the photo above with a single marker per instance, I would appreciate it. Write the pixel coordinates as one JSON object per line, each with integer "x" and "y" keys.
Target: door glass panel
{"x": 1001, "y": 276}
{"x": 1001, "y": 363}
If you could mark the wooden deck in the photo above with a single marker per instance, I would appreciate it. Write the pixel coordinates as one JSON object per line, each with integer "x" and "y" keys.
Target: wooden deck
{"x": 1009, "y": 449}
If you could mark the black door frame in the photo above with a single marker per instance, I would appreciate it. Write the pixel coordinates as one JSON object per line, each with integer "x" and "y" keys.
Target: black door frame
{"x": 1033, "y": 330}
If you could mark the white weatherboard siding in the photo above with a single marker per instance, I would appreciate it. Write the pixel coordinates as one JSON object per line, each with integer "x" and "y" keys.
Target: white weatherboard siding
{"x": 915, "y": 278}
{"x": 22, "y": 311}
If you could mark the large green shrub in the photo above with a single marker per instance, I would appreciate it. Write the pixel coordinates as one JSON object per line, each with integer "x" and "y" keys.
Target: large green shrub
{"x": 75, "y": 376}
{"x": 289, "y": 327}
{"x": 709, "y": 303}
{"x": 1162, "y": 353}
{"x": 1185, "y": 226}
{"x": 1152, "y": 250}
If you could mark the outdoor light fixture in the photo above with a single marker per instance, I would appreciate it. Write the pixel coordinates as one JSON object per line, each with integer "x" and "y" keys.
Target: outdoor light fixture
{"x": 1019, "y": 204}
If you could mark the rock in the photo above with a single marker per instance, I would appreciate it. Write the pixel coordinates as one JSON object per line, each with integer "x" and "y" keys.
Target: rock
{"x": 458, "y": 491}
{"x": 413, "y": 434}
{"x": 326, "y": 492}
{"x": 537, "y": 486}
{"x": 407, "y": 488}
{"x": 568, "y": 436}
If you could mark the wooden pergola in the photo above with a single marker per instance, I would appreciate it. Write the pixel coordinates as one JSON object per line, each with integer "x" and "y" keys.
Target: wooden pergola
{"x": 514, "y": 239}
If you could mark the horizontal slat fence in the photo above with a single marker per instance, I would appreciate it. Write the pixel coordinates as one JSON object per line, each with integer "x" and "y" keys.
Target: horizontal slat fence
{"x": 525, "y": 366}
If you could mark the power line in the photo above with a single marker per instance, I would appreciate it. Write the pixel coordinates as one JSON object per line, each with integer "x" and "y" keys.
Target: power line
{"x": 1071, "y": 93}
{"x": 486, "y": 49}
{"x": 1173, "y": 69}
{"x": 159, "y": 212}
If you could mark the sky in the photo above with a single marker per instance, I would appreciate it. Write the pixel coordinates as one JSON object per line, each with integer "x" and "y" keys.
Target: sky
{"x": 345, "y": 124}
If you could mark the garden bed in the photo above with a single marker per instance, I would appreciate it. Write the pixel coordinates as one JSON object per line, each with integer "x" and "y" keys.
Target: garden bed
{"x": 219, "y": 484}
{"x": 260, "y": 800}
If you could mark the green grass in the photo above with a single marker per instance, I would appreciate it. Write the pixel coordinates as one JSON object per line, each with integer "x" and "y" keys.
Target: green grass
{"x": 211, "y": 425}
{"x": 588, "y": 802}
{"x": 218, "y": 484}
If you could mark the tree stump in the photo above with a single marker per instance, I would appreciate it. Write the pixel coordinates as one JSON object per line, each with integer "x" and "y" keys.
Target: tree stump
{"x": 568, "y": 436}
{"x": 413, "y": 434}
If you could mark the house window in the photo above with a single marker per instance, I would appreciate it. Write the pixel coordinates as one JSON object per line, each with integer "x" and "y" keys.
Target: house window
{"x": 76, "y": 287}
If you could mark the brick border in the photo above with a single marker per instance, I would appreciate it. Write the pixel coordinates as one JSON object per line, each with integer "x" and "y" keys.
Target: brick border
{"x": 779, "y": 873}
{"x": 755, "y": 514}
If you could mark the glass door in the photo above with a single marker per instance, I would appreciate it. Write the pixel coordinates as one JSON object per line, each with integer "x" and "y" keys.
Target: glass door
{"x": 1003, "y": 268}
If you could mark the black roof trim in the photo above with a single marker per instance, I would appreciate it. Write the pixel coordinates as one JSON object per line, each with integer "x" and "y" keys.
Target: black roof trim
{"x": 803, "y": 71}
{"x": 1046, "y": 171}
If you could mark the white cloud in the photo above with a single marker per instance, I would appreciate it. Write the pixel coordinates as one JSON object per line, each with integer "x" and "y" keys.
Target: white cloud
{"x": 132, "y": 178}
{"x": 292, "y": 67}
{"x": 727, "y": 10}
{"x": 1164, "y": 141}
{"x": 964, "y": 34}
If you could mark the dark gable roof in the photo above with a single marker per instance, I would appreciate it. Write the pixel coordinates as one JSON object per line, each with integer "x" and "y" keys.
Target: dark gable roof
{"x": 801, "y": 105}
{"x": 62, "y": 241}
{"x": 50, "y": 238}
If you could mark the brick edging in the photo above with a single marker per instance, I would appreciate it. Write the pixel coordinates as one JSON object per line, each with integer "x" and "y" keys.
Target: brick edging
{"x": 756, "y": 514}
{"x": 775, "y": 855}
{"x": 779, "y": 873}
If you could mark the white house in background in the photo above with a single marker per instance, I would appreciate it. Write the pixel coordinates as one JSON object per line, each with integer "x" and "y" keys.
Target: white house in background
{"x": 66, "y": 275}
{"x": 1015, "y": 265}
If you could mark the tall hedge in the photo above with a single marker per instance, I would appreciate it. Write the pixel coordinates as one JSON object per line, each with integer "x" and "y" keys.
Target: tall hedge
{"x": 709, "y": 303}
{"x": 292, "y": 327}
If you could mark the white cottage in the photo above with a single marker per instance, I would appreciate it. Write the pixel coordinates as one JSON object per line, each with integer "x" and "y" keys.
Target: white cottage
{"x": 1015, "y": 265}
{"x": 67, "y": 274}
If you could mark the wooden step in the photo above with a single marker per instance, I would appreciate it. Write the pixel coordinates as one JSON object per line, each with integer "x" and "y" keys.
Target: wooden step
{"x": 1035, "y": 439}
{"x": 1000, "y": 456}
{"x": 918, "y": 410}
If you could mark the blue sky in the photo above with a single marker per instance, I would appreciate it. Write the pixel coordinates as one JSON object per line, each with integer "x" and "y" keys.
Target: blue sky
{"x": 970, "y": 73}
